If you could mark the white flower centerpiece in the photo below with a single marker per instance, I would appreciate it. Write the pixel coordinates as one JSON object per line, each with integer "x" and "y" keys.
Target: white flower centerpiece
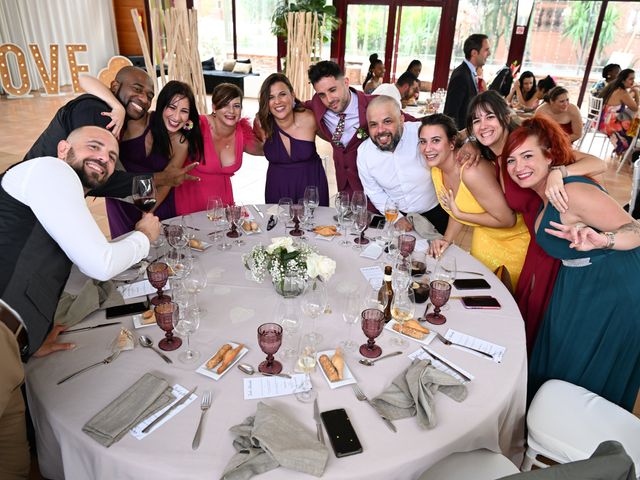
{"x": 289, "y": 264}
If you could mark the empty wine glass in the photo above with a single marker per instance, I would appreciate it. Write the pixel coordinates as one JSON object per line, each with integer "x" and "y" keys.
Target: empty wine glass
{"x": 403, "y": 308}
{"x": 358, "y": 201}
{"x": 288, "y": 315}
{"x": 313, "y": 302}
{"x": 269, "y": 340}
{"x": 439, "y": 292}
{"x": 297, "y": 212}
{"x": 372, "y": 325}
{"x": 284, "y": 212}
{"x": 180, "y": 263}
{"x": 158, "y": 274}
{"x": 186, "y": 324}
{"x": 143, "y": 192}
{"x": 306, "y": 363}
{"x": 361, "y": 221}
{"x": 176, "y": 234}
{"x": 351, "y": 309}
{"x": 311, "y": 200}
{"x": 165, "y": 313}
{"x": 446, "y": 269}
{"x": 189, "y": 226}
{"x": 195, "y": 282}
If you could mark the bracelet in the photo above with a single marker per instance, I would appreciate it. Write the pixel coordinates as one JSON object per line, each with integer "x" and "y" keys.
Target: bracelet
{"x": 611, "y": 240}
{"x": 470, "y": 138}
{"x": 563, "y": 170}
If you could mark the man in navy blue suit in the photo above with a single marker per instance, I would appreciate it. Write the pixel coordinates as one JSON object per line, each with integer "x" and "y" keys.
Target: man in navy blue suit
{"x": 463, "y": 84}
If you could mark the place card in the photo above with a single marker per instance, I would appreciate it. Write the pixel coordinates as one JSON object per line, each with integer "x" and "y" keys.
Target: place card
{"x": 374, "y": 275}
{"x": 178, "y": 391}
{"x": 373, "y": 251}
{"x": 266, "y": 387}
{"x": 139, "y": 289}
{"x": 455, "y": 337}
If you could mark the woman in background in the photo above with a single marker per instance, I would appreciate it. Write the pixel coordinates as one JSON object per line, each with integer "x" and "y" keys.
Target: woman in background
{"x": 544, "y": 87}
{"x": 609, "y": 74}
{"x": 557, "y": 107}
{"x": 374, "y": 74}
{"x": 620, "y": 98}
{"x": 524, "y": 90}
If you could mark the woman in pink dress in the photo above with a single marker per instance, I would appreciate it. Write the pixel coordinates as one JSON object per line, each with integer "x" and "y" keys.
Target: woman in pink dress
{"x": 226, "y": 137}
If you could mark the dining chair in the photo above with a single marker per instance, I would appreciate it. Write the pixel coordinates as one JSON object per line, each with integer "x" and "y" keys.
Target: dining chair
{"x": 479, "y": 464}
{"x": 567, "y": 422}
{"x": 592, "y": 124}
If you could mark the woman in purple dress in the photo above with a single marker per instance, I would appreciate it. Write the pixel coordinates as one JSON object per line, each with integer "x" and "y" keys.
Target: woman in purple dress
{"x": 289, "y": 131}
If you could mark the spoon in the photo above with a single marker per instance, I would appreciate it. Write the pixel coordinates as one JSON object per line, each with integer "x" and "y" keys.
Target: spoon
{"x": 369, "y": 363}
{"x": 249, "y": 370}
{"x": 146, "y": 342}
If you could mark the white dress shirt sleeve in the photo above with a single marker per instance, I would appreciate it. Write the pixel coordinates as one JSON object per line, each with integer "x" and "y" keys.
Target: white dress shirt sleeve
{"x": 53, "y": 191}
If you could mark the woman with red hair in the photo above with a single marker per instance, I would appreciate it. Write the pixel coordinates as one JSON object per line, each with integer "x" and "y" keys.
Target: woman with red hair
{"x": 591, "y": 329}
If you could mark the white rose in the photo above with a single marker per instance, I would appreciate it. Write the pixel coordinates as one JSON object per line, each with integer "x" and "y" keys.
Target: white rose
{"x": 326, "y": 268}
{"x": 313, "y": 265}
{"x": 284, "y": 242}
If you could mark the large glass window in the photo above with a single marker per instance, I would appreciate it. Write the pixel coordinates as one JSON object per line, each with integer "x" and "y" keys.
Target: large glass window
{"x": 559, "y": 41}
{"x": 418, "y": 39}
{"x": 366, "y": 34}
{"x": 495, "y": 19}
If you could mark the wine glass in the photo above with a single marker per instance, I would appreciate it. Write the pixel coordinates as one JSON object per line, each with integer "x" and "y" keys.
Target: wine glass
{"x": 358, "y": 201}
{"x": 313, "y": 303}
{"x": 214, "y": 204}
{"x": 143, "y": 192}
{"x": 179, "y": 263}
{"x": 189, "y": 227}
{"x": 446, "y": 269}
{"x": 372, "y": 325}
{"x": 186, "y": 323}
{"x": 361, "y": 222}
{"x": 288, "y": 315}
{"x": 284, "y": 212}
{"x": 176, "y": 234}
{"x": 439, "y": 292}
{"x": 406, "y": 244}
{"x": 403, "y": 308}
{"x": 311, "y": 200}
{"x": 164, "y": 318}
{"x": 269, "y": 340}
{"x": 306, "y": 363}
{"x": 158, "y": 274}
{"x": 234, "y": 214}
{"x": 391, "y": 211}
{"x": 351, "y": 310}
{"x": 195, "y": 282}
{"x": 297, "y": 212}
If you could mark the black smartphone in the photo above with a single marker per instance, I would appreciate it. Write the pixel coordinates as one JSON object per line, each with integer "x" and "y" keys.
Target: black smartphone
{"x": 471, "y": 284}
{"x": 126, "y": 309}
{"x": 480, "y": 302}
{"x": 341, "y": 434}
{"x": 376, "y": 221}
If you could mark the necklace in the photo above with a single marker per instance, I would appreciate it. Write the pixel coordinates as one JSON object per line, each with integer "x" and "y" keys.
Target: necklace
{"x": 224, "y": 142}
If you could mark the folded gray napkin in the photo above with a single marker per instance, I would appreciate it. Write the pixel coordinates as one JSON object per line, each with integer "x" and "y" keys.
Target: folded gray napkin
{"x": 93, "y": 295}
{"x": 271, "y": 439}
{"x": 412, "y": 393}
{"x": 142, "y": 399}
{"x": 423, "y": 227}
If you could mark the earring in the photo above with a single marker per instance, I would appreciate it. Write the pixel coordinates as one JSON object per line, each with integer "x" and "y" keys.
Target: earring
{"x": 213, "y": 113}
{"x": 188, "y": 125}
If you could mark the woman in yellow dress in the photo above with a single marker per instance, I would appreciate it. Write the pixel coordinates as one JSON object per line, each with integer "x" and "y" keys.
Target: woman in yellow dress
{"x": 472, "y": 196}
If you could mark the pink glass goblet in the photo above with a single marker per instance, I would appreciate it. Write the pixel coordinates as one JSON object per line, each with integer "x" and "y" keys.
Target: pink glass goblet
{"x": 164, "y": 318}
{"x": 297, "y": 212}
{"x": 233, "y": 212}
{"x": 270, "y": 339}
{"x": 439, "y": 292}
{"x": 157, "y": 274}
{"x": 406, "y": 244}
{"x": 372, "y": 325}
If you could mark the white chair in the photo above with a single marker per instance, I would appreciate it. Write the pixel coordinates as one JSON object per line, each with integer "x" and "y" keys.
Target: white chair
{"x": 592, "y": 123}
{"x": 478, "y": 464}
{"x": 567, "y": 423}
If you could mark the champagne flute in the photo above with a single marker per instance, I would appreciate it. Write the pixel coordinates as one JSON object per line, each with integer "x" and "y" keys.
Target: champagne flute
{"x": 351, "y": 309}
{"x": 403, "y": 308}
{"x": 311, "y": 201}
{"x": 143, "y": 192}
{"x": 306, "y": 363}
{"x": 391, "y": 212}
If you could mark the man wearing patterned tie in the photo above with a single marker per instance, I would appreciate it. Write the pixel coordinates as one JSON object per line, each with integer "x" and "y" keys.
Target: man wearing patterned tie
{"x": 463, "y": 84}
{"x": 340, "y": 113}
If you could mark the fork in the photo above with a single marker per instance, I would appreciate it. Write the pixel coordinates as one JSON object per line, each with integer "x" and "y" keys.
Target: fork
{"x": 363, "y": 398}
{"x": 449, "y": 342}
{"x": 204, "y": 406}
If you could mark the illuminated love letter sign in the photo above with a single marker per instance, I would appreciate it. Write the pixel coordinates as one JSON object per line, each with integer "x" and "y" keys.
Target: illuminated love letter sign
{"x": 49, "y": 78}
{"x": 72, "y": 48}
{"x": 25, "y": 85}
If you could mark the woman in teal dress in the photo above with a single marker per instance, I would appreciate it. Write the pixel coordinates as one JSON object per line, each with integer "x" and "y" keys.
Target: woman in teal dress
{"x": 591, "y": 331}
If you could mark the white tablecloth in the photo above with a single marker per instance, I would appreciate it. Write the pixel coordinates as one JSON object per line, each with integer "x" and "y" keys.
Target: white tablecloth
{"x": 491, "y": 417}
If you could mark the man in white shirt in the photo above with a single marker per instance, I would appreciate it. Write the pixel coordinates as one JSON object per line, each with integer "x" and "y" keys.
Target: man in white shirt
{"x": 45, "y": 225}
{"x": 390, "y": 165}
{"x": 402, "y": 91}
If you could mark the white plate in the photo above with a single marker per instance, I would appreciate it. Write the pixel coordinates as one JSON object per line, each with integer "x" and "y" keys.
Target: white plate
{"x": 425, "y": 341}
{"x": 205, "y": 245}
{"x": 203, "y": 370}
{"x": 251, "y": 232}
{"x": 347, "y": 376}
{"x": 137, "y": 321}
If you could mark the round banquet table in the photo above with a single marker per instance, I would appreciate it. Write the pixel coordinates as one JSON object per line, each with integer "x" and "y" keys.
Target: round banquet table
{"x": 492, "y": 416}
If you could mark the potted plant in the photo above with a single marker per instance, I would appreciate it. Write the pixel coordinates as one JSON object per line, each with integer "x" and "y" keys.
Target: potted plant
{"x": 326, "y": 13}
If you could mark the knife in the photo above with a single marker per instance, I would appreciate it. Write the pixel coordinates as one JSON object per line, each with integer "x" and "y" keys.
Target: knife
{"x": 258, "y": 210}
{"x": 89, "y": 328}
{"x": 440, "y": 359}
{"x": 316, "y": 417}
{"x": 107, "y": 360}
{"x": 169, "y": 410}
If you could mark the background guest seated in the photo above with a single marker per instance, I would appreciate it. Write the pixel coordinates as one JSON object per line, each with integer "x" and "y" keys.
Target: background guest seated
{"x": 557, "y": 107}
{"x": 621, "y": 99}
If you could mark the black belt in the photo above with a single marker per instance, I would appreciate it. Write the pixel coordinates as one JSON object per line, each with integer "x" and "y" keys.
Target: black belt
{"x": 14, "y": 325}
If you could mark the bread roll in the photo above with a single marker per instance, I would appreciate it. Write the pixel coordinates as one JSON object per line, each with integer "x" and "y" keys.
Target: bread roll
{"x": 228, "y": 358}
{"x": 338, "y": 362}
{"x": 416, "y": 326}
{"x": 410, "y": 332}
{"x": 197, "y": 244}
{"x": 329, "y": 369}
{"x": 217, "y": 358}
